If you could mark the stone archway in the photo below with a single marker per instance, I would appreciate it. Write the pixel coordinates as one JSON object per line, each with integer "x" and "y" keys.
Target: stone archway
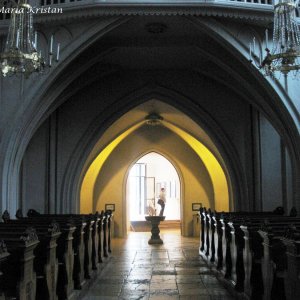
{"x": 104, "y": 177}
{"x": 16, "y": 139}
{"x": 79, "y": 167}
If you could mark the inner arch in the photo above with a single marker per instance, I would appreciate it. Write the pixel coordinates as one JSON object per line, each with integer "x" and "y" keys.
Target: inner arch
{"x": 214, "y": 190}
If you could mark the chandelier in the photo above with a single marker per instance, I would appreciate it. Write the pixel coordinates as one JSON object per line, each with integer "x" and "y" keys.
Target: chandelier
{"x": 20, "y": 55}
{"x": 284, "y": 56}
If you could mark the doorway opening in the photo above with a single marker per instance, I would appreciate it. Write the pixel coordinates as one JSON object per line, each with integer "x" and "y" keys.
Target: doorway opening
{"x": 147, "y": 177}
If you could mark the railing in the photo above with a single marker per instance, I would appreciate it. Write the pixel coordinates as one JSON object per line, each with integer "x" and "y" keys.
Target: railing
{"x": 56, "y": 2}
{"x": 181, "y": 2}
{"x": 251, "y": 4}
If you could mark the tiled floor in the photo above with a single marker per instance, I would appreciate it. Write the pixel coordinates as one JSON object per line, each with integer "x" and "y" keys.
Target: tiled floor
{"x": 173, "y": 270}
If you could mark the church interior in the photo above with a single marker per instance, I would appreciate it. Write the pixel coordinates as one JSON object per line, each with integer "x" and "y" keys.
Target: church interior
{"x": 107, "y": 107}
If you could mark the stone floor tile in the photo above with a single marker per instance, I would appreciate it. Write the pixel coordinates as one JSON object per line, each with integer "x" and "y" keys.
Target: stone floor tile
{"x": 192, "y": 289}
{"x": 140, "y": 280}
{"x": 190, "y": 285}
{"x": 194, "y": 297}
{"x": 189, "y": 279}
{"x": 100, "y": 298}
{"x": 163, "y": 297}
{"x": 209, "y": 277}
{"x": 112, "y": 280}
{"x": 160, "y": 260}
{"x": 182, "y": 271}
{"x": 139, "y": 267}
{"x": 163, "y": 279}
{"x": 210, "y": 280}
{"x": 158, "y": 286}
{"x": 122, "y": 273}
{"x": 163, "y": 260}
{"x": 141, "y": 271}
{"x": 158, "y": 265}
{"x": 113, "y": 286}
{"x": 143, "y": 261}
{"x": 139, "y": 277}
{"x": 218, "y": 292}
{"x": 173, "y": 270}
{"x": 159, "y": 252}
{"x": 163, "y": 267}
{"x": 222, "y": 297}
{"x": 134, "y": 296}
{"x": 162, "y": 272}
{"x": 105, "y": 293}
{"x": 135, "y": 287}
{"x": 164, "y": 293}
{"x": 176, "y": 260}
{"x": 193, "y": 292}
{"x": 190, "y": 264}
{"x": 204, "y": 270}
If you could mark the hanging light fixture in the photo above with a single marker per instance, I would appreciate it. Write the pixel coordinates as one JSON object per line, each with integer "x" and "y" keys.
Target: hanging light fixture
{"x": 20, "y": 55}
{"x": 153, "y": 119}
{"x": 284, "y": 55}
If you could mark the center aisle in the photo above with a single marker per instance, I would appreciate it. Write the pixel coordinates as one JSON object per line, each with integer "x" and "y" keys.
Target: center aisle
{"x": 173, "y": 270}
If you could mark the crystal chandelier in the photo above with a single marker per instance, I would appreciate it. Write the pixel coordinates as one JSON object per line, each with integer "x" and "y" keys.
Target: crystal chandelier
{"x": 284, "y": 56}
{"x": 20, "y": 55}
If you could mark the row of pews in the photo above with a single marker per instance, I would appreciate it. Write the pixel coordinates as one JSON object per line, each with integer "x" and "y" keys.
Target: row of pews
{"x": 48, "y": 256}
{"x": 258, "y": 254}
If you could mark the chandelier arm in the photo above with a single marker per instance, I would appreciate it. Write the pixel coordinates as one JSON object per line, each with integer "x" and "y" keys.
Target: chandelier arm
{"x": 21, "y": 55}
{"x": 284, "y": 56}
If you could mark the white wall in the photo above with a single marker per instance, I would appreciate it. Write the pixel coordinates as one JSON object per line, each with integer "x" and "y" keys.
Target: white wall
{"x": 164, "y": 172}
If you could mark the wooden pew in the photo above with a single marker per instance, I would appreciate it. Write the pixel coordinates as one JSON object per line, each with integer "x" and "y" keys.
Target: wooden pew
{"x": 3, "y": 257}
{"x": 18, "y": 271}
{"x": 218, "y": 236}
{"x": 107, "y": 233}
{"x": 205, "y": 230}
{"x": 226, "y": 242}
{"x": 292, "y": 280}
{"x": 208, "y": 241}
{"x": 95, "y": 241}
{"x": 109, "y": 216}
{"x": 65, "y": 254}
{"x": 209, "y": 235}
{"x": 202, "y": 215}
{"x": 274, "y": 263}
{"x": 71, "y": 250}
{"x": 100, "y": 236}
{"x": 45, "y": 262}
{"x": 249, "y": 254}
{"x": 83, "y": 241}
{"x": 90, "y": 241}
{"x": 242, "y": 251}
{"x": 105, "y": 236}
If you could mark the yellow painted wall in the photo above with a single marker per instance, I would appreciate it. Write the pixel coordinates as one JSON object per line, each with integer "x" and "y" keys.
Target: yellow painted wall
{"x": 86, "y": 191}
{"x": 203, "y": 179}
{"x": 110, "y": 185}
{"x": 215, "y": 170}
